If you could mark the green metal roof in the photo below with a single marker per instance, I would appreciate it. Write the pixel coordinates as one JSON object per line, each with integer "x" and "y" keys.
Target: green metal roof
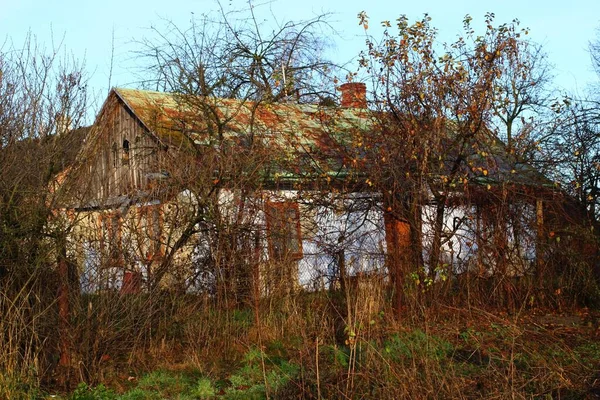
{"x": 307, "y": 141}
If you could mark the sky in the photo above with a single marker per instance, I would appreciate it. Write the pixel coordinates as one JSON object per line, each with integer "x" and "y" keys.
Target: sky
{"x": 86, "y": 28}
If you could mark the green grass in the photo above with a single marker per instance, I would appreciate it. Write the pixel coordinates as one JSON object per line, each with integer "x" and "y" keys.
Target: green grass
{"x": 257, "y": 375}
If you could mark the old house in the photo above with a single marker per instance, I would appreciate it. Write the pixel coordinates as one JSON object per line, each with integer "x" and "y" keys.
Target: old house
{"x": 185, "y": 192}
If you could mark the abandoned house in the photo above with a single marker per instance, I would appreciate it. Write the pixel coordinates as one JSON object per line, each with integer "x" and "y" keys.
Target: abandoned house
{"x": 180, "y": 191}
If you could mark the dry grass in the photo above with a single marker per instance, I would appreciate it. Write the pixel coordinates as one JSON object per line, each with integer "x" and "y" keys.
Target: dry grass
{"x": 311, "y": 345}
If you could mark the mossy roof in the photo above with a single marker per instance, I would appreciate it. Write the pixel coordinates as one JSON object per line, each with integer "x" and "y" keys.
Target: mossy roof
{"x": 308, "y": 141}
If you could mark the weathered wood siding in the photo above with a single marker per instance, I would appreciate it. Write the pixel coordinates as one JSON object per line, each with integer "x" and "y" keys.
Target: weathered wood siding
{"x": 125, "y": 155}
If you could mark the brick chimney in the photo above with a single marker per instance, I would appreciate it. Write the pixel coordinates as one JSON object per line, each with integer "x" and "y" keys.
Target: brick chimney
{"x": 354, "y": 95}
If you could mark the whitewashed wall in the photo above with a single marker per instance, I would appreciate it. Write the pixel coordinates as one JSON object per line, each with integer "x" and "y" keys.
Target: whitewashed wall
{"x": 351, "y": 227}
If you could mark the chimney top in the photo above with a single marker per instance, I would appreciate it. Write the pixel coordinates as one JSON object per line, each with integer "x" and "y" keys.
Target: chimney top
{"x": 354, "y": 95}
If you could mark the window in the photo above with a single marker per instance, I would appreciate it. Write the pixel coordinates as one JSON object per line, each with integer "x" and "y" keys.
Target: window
{"x": 110, "y": 239}
{"x": 125, "y": 157}
{"x": 151, "y": 229}
{"x": 283, "y": 229}
{"x": 132, "y": 282}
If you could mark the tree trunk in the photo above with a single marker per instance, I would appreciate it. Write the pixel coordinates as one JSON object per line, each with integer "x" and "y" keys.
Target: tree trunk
{"x": 539, "y": 243}
{"x": 398, "y": 239}
{"x": 65, "y": 274}
{"x": 438, "y": 226}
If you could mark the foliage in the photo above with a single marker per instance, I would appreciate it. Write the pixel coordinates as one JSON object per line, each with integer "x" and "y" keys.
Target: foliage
{"x": 204, "y": 389}
{"x": 100, "y": 392}
{"x": 18, "y": 388}
{"x": 416, "y": 345}
{"x": 259, "y": 376}
{"x": 439, "y": 104}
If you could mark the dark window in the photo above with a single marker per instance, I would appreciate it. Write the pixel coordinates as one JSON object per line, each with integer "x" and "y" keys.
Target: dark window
{"x": 283, "y": 228}
{"x": 125, "y": 158}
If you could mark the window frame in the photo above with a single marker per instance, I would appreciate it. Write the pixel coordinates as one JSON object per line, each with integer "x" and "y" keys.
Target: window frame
{"x": 282, "y": 208}
{"x": 110, "y": 226}
{"x": 125, "y": 156}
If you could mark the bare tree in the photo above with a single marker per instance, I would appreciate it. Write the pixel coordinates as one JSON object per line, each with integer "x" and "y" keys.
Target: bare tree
{"x": 594, "y": 47}
{"x": 224, "y": 56}
{"x": 43, "y": 100}
{"x": 571, "y": 151}
{"x": 522, "y": 93}
{"x": 234, "y": 55}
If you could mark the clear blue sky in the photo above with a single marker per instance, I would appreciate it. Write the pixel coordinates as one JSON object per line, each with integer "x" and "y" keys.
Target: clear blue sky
{"x": 563, "y": 27}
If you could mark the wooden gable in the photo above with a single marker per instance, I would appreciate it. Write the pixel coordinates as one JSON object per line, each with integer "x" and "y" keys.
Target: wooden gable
{"x": 122, "y": 157}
